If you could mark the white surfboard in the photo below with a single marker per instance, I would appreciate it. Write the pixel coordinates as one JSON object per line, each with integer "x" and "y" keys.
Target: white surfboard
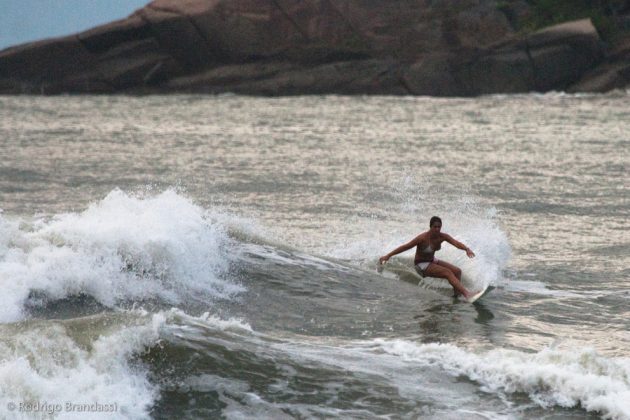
{"x": 478, "y": 295}
{"x": 410, "y": 275}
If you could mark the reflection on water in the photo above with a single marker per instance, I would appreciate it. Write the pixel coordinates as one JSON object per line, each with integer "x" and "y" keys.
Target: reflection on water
{"x": 484, "y": 315}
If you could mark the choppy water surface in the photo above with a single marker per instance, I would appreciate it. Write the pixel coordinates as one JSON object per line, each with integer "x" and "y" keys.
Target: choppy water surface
{"x": 195, "y": 256}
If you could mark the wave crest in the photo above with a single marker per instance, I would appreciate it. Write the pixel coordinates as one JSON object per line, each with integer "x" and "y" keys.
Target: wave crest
{"x": 121, "y": 248}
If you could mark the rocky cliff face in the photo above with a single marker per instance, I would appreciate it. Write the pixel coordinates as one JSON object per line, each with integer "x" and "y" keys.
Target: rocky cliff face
{"x": 283, "y": 47}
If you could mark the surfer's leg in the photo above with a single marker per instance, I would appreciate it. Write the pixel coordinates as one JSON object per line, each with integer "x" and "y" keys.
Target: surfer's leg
{"x": 456, "y": 270}
{"x": 435, "y": 270}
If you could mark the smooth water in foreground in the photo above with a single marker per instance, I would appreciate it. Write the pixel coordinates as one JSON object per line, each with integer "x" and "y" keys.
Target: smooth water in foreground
{"x": 204, "y": 257}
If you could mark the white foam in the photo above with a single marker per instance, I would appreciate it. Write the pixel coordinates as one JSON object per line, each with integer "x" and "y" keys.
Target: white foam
{"x": 45, "y": 367}
{"x": 179, "y": 317}
{"x": 121, "y": 248}
{"x": 566, "y": 378}
{"x": 52, "y": 363}
{"x": 294, "y": 258}
{"x": 463, "y": 218}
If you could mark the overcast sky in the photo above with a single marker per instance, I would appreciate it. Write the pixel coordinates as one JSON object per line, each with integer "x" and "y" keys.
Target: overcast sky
{"x": 29, "y": 20}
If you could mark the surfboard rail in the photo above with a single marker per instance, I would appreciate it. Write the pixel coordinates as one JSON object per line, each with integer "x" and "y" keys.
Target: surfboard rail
{"x": 477, "y": 295}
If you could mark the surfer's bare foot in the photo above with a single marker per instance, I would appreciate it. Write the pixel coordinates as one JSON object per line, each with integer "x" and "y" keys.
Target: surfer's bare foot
{"x": 470, "y": 295}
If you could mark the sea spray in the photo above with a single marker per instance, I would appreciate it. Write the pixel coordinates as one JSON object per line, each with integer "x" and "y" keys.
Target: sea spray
{"x": 121, "y": 248}
{"x": 48, "y": 367}
{"x": 463, "y": 217}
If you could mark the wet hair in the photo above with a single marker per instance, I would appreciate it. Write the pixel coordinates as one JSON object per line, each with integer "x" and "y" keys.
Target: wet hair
{"x": 434, "y": 219}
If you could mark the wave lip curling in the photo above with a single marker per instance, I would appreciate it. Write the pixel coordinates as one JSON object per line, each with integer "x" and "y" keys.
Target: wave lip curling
{"x": 122, "y": 248}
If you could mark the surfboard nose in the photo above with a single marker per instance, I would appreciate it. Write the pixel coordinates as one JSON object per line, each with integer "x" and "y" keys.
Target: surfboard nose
{"x": 477, "y": 295}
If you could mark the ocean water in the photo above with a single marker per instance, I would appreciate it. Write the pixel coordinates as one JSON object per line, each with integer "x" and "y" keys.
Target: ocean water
{"x": 216, "y": 257}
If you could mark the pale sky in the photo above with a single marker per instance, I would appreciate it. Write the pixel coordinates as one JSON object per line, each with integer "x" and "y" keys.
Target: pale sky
{"x": 30, "y": 20}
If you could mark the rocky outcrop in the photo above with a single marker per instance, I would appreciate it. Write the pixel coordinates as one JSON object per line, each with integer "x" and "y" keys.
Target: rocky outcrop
{"x": 612, "y": 74}
{"x": 284, "y": 47}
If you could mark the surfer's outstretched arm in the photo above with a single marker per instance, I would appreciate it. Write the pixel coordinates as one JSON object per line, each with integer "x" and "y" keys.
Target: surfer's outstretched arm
{"x": 457, "y": 244}
{"x": 402, "y": 248}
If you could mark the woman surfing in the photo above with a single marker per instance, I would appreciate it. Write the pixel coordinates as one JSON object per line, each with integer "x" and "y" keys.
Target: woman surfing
{"x": 425, "y": 262}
